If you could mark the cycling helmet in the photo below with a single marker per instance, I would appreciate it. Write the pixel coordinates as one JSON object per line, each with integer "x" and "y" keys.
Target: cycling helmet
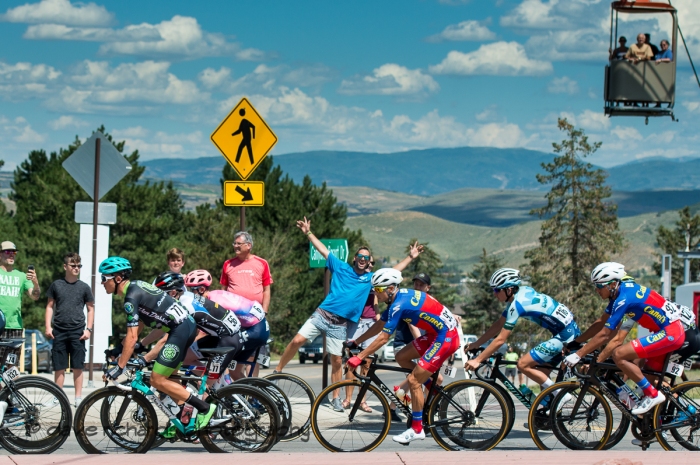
{"x": 198, "y": 278}
{"x": 169, "y": 280}
{"x": 505, "y": 278}
{"x": 606, "y": 272}
{"x": 112, "y": 265}
{"x": 386, "y": 277}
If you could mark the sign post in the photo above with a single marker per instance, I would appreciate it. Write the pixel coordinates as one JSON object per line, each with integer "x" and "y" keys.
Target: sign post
{"x": 97, "y": 166}
{"x": 339, "y": 248}
{"x": 244, "y": 139}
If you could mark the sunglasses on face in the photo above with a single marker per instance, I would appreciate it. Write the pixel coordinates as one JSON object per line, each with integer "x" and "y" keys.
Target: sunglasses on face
{"x": 9, "y": 252}
{"x": 496, "y": 290}
{"x": 362, "y": 257}
{"x": 105, "y": 278}
{"x": 600, "y": 285}
{"x": 239, "y": 244}
{"x": 380, "y": 288}
{"x": 73, "y": 265}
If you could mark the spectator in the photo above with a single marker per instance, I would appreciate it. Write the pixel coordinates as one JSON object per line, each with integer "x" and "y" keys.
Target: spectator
{"x": 511, "y": 356}
{"x": 620, "y": 52}
{"x": 640, "y": 51}
{"x": 345, "y": 302}
{"x": 654, "y": 48}
{"x": 665, "y": 55}
{"x": 176, "y": 260}
{"x": 246, "y": 274}
{"x": 13, "y": 283}
{"x": 65, "y": 322}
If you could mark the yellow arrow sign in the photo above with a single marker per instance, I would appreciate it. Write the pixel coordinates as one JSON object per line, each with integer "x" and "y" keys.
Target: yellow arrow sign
{"x": 244, "y": 138}
{"x": 244, "y": 193}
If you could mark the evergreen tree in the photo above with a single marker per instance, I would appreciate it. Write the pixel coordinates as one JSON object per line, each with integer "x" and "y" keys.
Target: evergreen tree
{"x": 429, "y": 262}
{"x": 580, "y": 228}
{"x": 482, "y": 309}
{"x": 685, "y": 234}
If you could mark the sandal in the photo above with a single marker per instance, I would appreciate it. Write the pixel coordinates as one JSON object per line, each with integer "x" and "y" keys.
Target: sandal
{"x": 346, "y": 404}
{"x": 365, "y": 408}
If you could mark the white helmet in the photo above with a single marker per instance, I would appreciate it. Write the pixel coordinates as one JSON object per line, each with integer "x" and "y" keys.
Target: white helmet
{"x": 505, "y": 277}
{"x": 386, "y": 277}
{"x": 606, "y": 272}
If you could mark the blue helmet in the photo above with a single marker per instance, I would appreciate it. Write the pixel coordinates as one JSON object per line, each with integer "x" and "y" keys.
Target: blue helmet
{"x": 504, "y": 278}
{"x": 112, "y": 265}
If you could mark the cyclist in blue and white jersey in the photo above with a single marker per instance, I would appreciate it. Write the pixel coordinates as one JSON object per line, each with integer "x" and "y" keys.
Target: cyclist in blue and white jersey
{"x": 526, "y": 302}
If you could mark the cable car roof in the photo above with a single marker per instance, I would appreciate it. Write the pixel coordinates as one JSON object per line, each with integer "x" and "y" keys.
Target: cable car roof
{"x": 642, "y": 6}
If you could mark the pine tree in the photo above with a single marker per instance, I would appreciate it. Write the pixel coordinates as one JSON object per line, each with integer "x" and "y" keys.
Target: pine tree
{"x": 686, "y": 233}
{"x": 482, "y": 309}
{"x": 580, "y": 228}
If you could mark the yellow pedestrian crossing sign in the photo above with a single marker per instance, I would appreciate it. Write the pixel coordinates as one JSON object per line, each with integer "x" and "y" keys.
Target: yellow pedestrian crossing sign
{"x": 244, "y": 193}
{"x": 244, "y": 138}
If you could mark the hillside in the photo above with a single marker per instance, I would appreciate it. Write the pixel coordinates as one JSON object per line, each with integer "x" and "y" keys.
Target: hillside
{"x": 434, "y": 171}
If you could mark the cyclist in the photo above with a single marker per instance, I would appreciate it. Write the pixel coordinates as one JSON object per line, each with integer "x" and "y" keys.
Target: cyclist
{"x": 526, "y": 302}
{"x": 436, "y": 346}
{"x": 218, "y": 326}
{"x": 198, "y": 282}
{"x": 647, "y": 308}
{"x": 145, "y": 304}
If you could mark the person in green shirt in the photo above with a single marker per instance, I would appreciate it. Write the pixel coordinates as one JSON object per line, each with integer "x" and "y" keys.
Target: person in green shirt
{"x": 512, "y": 356}
{"x": 14, "y": 283}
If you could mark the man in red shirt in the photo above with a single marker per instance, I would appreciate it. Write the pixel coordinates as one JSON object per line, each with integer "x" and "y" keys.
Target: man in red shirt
{"x": 246, "y": 274}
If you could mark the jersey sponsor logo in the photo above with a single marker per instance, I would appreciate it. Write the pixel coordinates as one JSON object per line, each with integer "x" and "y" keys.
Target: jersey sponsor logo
{"x": 620, "y": 304}
{"x": 433, "y": 351}
{"x": 432, "y": 320}
{"x": 631, "y": 315}
{"x": 629, "y": 285}
{"x": 415, "y": 300}
{"x": 150, "y": 288}
{"x": 656, "y": 314}
{"x": 640, "y": 292}
{"x": 170, "y": 352}
{"x": 656, "y": 337}
{"x": 129, "y": 307}
{"x": 397, "y": 308}
{"x": 364, "y": 278}
{"x": 448, "y": 339}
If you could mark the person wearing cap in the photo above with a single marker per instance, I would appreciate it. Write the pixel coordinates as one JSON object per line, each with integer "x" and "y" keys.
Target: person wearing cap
{"x": 14, "y": 283}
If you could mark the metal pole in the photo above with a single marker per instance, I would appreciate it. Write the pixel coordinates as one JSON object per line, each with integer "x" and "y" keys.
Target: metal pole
{"x": 666, "y": 276}
{"x": 34, "y": 358}
{"x": 686, "y": 270}
{"x": 96, "y": 200}
{"x": 242, "y": 219}
{"x": 326, "y": 290}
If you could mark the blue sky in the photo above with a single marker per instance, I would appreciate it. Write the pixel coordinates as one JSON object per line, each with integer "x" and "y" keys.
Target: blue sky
{"x": 363, "y": 75}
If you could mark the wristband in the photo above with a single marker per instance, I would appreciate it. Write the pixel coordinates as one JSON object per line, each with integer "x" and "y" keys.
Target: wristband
{"x": 309, "y": 233}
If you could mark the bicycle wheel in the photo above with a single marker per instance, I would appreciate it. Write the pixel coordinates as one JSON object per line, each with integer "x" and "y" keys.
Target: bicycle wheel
{"x": 301, "y": 396}
{"x": 246, "y": 420}
{"x": 590, "y": 426}
{"x": 468, "y": 415}
{"x": 38, "y": 417}
{"x": 111, "y": 420}
{"x": 680, "y": 428}
{"x": 280, "y": 399}
{"x": 539, "y": 422}
{"x": 337, "y": 432}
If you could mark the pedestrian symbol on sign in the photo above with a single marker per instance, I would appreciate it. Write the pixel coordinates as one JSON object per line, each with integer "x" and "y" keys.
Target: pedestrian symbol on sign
{"x": 244, "y": 129}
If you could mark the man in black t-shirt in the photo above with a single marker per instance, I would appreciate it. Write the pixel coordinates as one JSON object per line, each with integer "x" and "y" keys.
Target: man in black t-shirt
{"x": 65, "y": 322}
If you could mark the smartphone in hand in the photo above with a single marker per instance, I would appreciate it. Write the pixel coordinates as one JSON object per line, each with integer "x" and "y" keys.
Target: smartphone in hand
{"x": 30, "y": 268}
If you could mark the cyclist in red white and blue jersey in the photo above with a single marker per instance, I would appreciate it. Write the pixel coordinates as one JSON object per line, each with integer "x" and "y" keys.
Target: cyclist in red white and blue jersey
{"x": 440, "y": 341}
{"x": 648, "y": 309}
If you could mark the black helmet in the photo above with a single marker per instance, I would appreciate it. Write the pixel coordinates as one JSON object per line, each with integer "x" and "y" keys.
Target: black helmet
{"x": 169, "y": 280}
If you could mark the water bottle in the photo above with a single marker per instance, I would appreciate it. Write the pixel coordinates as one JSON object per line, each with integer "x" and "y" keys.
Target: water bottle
{"x": 187, "y": 413}
{"x": 171, "y": 405}
{"x": 527, "y": 392}
{"x": 401, "y": 395}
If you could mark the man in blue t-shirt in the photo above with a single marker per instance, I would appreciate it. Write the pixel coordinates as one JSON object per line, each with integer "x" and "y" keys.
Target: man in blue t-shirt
{"x": 350, "y": 287}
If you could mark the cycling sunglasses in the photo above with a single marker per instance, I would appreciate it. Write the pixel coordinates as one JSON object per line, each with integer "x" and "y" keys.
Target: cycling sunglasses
{"x": 362, "y": 257}
{"x": 601, "y": 285}
{"x": 380, "y": 288}
{"x": 105, "y": 278}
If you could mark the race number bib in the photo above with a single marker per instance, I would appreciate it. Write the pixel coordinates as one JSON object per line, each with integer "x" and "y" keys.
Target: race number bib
{"x": 231, "y": 323}
{"x": 257, "y": 311}
{"x": 675, "y": 369}
{"x": 10, "y": 374}
{"x": 687, "y": 316}
{"x": 177, "y": 313}
{"x": 447, "y": 318}
{"x": 672, "y": 311}
{"x": 563, "y": 314}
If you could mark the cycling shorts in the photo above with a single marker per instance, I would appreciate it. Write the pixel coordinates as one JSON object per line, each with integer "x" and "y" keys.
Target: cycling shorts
{"x": 550, "y": 351}
{"x": 655, "y": 346}
{"x": 254, "y": 337}
{"x": 220, "y": 363}
{"x": 690, "y": 347}
{"x": 435, "y": 352}
{"x": 173, "y": 352}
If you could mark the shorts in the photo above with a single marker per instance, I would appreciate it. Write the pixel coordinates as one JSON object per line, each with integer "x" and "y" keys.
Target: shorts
{"x": 656, "y": 346}
{"x": 5, "y": 351}
{"x": 220, "y": 362}
{"x": 550, "y": 351}
{"x": 335, "y": 334}
{"x": 690, "y": 347}
{"x": 67, "y": 343}
{"x": 173, "y": 352}
{"x": 356, "y": 330}
{"x": 511, "y": 371}
{"x": 436, "y": 352}
{"x": 252, "y": 338}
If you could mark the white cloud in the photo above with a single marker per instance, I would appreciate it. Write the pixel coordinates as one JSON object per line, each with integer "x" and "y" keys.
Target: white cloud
{"x": 498, "y": 58}
{"x": 563, "y": 85}
{"x": 626, "y": 133}
{"x": 22, "y": 80}
{"x": 159, "y": 144}
{"x": 213, "y": 78}
{"x": 570, "y": 45}
{"x": 466, "y": 30}
{"x": 18, "y": 130}
{"x": 132, "y": 33}
{"x": 692, "y": 107}
{"x": 59, "y": 12}
{"x": 390, "y": 79}
{"x": 488, "y": 114}
{"x": 534, "y": 14}
{"x": 64, "y": 122}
